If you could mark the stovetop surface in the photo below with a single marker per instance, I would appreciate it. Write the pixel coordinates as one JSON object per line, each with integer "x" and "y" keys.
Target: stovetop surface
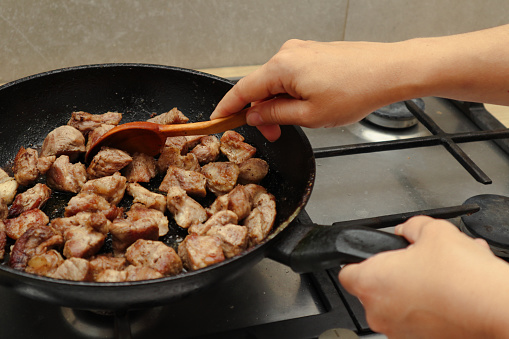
{"x": 270, "y": 300}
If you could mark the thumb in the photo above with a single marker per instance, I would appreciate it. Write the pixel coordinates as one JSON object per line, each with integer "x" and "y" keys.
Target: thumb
{"x": 349, "y": 277}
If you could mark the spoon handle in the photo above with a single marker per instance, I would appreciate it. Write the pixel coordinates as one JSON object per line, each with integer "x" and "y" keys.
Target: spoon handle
{"x": 205, "y": 127}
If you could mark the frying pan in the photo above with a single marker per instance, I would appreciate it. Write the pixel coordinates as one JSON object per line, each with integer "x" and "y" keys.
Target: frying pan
{"x": 31, "y": 107}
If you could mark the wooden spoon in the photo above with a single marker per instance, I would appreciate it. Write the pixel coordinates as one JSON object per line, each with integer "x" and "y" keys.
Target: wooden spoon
{"x": 148, "y": 137}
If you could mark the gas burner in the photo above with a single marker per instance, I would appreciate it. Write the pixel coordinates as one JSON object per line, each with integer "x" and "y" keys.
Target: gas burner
{"x": 108, "y": 324}
{"x": 491, "y": 223}
{"x": 395, "y": 116}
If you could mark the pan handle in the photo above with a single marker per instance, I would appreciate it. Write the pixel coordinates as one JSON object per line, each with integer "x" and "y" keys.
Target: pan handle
{"x": 326, "y": 247}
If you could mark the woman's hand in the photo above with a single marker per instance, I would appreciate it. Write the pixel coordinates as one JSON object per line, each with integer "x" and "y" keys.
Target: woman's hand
{"x": 315, "y": 84}
{"x": 444, "y": 285}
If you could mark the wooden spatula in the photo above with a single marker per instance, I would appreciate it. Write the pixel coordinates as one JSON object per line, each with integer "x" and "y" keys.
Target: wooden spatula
{"x": 148, "y": 137}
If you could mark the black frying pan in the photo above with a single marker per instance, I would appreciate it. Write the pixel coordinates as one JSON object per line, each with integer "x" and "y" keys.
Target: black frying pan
{"x": 31, "y": 107}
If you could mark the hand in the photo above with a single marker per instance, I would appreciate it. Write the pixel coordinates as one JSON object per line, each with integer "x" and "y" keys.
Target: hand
{"x": 315, "y": 84}
{"x": 444, "y": 285}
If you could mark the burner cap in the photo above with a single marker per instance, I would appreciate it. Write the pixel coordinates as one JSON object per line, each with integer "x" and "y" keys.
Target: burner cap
{"x": 395, "y": 115}
{"x": 491, "y": 222}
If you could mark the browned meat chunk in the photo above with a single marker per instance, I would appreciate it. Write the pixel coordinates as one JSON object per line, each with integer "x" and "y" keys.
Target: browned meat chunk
{"x": 8, "y": 187}
{"x": 221, "y": 176}
{"x": 85, "y": 202}
{"x": 192, "y": 140}
{"x": 139, "y": 211}
{"x": 63, "y": 140}
{"x": 125, "y": 232}
{"x": 192, "y": 182}
{"x": 36, "y": 240}
{"x": 141, "y": 169}
{"x": 221, "y": 218}
{"x": 112, "y": 187}
{"x": 108, "y": 161}
{"x": 32, "y": 198}
{"x": 3, "y": 242}
{"x": 252, "y": 171}
{"x": 185, "y": 210}
{"x": 15, "y": 227}
{"x": 174, "y": 116}
{"x": 25, "y": 166}
{"x": 76, "y": 269}
{"x": 237, "y": 200}
{"x": 44, "y": 264}
{"x": 156, "y": 255}
{"x": 207, "y": 150}
{"x": 110, "y": 275}
{"x": 104, "y": 262}
{"x": 44, "y": 164}
{"x": 96, "y": 133}
{"x": 65, "y": 176}
{"x": 234, "y": 147}
{"x": 137, "y": 273}
{"x": 199, "y": 251}
{"x": 82, "y": 233}
{"x": 172, "y": 156}
{"x": 234, "y": 238}
{"x": 261, "y": 219}
{"x": 86, "y": 122}
{"x": 146, "y": 197}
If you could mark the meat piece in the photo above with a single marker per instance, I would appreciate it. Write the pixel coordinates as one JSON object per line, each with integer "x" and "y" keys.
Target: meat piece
{"x": 104, "y": 262}
{"x": 36, "y": 240}
{"x": 192, "y": 182}
{"x": 110, "y": 275}
{"x": 32, "y": 198}
{"x": 15, "y": 227}
{"x": 108, "y": 161}
{"x": 221, "y": 176}
{"x": 199, "y": 251}
{"x": 139, "y": 211}
{"x": 76, "y": 269}
{"x": 171, "y": 156}
{"x": 44, "y": 163}
{"x": 111, "y": 187}
{"x": 82, "y": 241}
{"x": 237, "y": 200}
{"x": 252, "y": 171}
{"x": 25, "y": 166}
{"x": 63, "y": 140}
{"x": 156, "y": 255}
{"x": 137, "y": 273}
{"x": 95, "y": 221}
{"x": 185, "y": 210}
{"x": 141, "y": 169}
{"x": 207, "y": 150}
{"x": 8, "y": 187}
{"x": 234, "y": 238}
{"x": 181, "y": 143}
{"x": 221, "y": 218}
{"x": 254, "y": 191}
{"x": 173, "y": 116}
{"x": 146, "y": 197}
{"x": 3, "y": 242}
{"x": 261, "y": 219}
{"x": 234, "y": 147}
{"x": 86, "y": 202}
{"x": 65, "y": 176}
{"x": 86, "y": 122}
{"x": 125, "y": 232}
{"x": 44, "y": 264}
{"x": 96, "y": 133}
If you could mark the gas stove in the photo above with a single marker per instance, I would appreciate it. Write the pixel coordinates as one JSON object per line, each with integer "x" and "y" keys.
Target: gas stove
{"x": 358, "y": 184}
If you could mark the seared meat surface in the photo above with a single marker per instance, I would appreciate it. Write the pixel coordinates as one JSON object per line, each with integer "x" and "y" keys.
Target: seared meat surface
{"x": 8, "y": 187}
{"x": 234, "y": 147}
{"x": 16, "y": 227}
{"x": 155, "y": 255}
{"x": 25, "y": 166}
{"x": 63, "y": 140}
{"x": 185, "y": 210}
{"x": 141, "y": 169}
{"x": 125, "y": 232}
{"x": 221, "y": 218}
{"x": 199, "y": 251}
{"x": 86, "y": 122}
{"x": 194, "y": 183}
{"x": 32, "y": 198}
{"x": 87, "y": 202}
{"x": 146, "y": 197}
{"x": 221, "y": 176}
{"x": 111, "y": 187}
{"x": 108, "y": 161}
{"x": 207, "y": 150}
{"x": 252, "y": 171}
{"x": 173, "y": 116}
{"x": 66, "y": 176}
{"x": 139, "y": 211}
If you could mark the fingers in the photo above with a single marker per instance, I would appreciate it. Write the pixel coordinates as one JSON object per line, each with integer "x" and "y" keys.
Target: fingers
{"x": 412, "y": 229}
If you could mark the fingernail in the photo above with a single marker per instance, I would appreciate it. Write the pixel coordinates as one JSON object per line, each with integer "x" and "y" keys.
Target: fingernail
{"x": 254, "y": 119}
{"x": 398, "y": 230}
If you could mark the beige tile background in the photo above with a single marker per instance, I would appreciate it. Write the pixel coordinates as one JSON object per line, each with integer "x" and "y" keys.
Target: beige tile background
{"x": 37, "y": 36}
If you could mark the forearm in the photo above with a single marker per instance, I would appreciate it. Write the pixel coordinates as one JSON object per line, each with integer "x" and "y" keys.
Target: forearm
{"x": 471, "y": 67}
